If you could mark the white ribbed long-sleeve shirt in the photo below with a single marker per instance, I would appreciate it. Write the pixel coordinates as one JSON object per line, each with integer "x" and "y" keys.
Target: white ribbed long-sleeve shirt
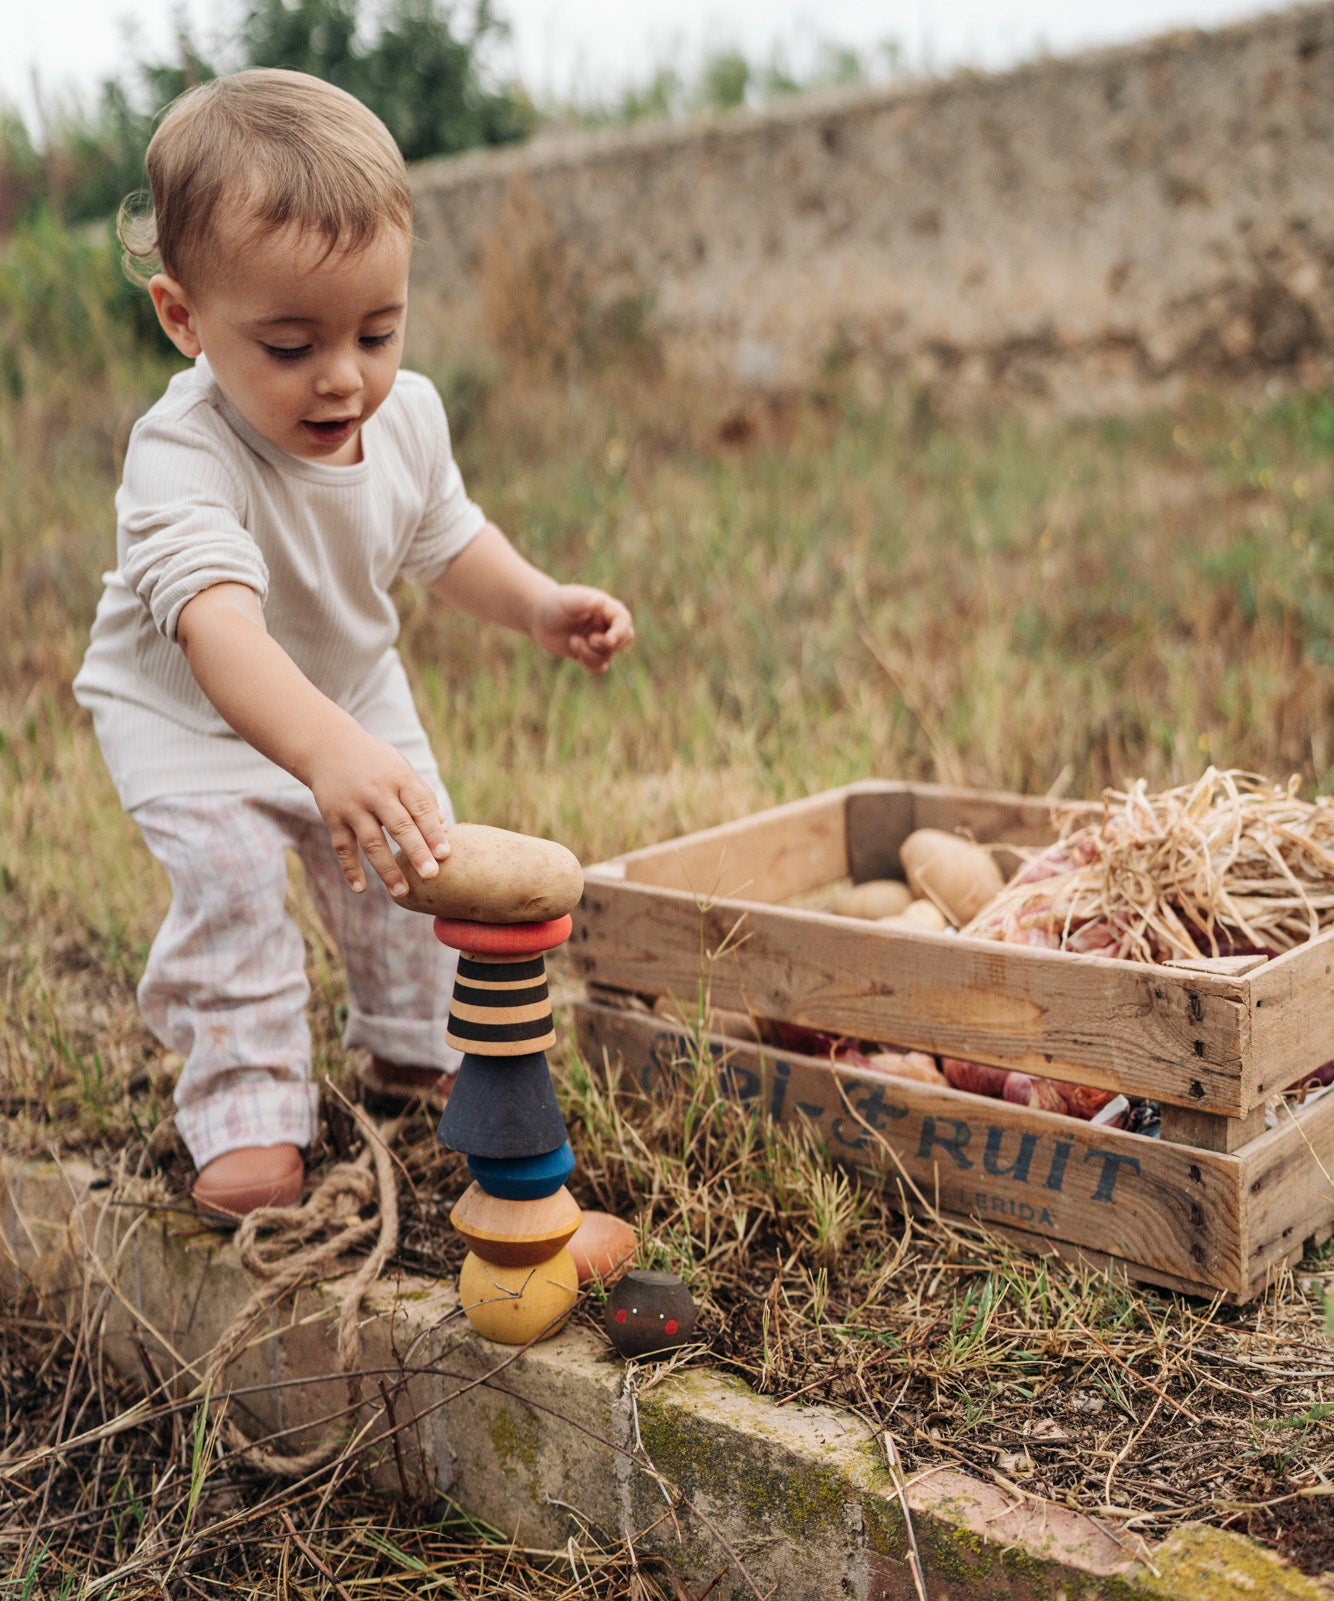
{"x": 204, "y": 499}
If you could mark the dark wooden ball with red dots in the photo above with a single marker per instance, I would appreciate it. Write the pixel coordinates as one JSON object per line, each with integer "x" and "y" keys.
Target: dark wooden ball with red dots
{"x": 648, "y": 1313}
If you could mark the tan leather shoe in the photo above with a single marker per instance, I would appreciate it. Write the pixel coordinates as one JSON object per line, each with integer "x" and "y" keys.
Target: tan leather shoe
{"x": 392, "y": 1085}
{"x": 239, "y": 1181}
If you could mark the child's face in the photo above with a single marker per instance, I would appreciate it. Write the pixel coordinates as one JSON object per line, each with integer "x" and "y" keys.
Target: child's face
{"x": 304, "y": 344}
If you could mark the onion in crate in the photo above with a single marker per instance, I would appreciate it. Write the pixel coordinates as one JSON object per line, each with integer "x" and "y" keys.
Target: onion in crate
{"x": 915, "y": 1065}
{"x": 975, "y": 1077}
{"x": 1039, "y": 1093}
{"x": 1083, "y": 1100}
{"x": 959, "y": 876}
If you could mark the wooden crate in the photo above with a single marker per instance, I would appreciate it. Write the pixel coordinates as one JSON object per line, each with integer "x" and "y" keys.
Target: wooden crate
{"x": 1217, "y": 1205}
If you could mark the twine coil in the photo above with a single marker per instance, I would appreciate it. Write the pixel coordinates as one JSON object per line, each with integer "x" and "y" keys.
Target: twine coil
{"x": 289, "y": 1246}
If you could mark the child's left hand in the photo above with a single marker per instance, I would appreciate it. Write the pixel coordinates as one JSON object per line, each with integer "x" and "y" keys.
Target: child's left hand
{"x": 587, "y": 625}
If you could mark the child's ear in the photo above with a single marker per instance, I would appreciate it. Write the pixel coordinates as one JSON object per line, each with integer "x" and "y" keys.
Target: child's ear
{"x": 175, "y": 312}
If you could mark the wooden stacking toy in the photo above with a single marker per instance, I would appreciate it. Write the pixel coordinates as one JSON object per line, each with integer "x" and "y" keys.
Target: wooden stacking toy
{"x": 649, "y": 1314}
{"x": 502, "y": 900}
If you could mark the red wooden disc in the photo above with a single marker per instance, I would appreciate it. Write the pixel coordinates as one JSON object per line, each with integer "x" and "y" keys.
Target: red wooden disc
{"x": 503, "y": 939}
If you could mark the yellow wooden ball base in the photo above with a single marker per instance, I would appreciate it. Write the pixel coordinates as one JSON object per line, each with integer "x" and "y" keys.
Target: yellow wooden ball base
{"x": 513, "y": 1305}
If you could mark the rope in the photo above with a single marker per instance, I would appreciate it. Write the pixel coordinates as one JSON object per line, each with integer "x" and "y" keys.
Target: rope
{"x": 303, "y": 1244}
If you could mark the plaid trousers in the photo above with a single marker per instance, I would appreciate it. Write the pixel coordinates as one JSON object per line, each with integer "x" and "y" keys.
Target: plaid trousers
{"x": 225, "y": 984}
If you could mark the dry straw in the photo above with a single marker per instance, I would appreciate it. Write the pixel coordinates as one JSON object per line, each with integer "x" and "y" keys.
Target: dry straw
{"x": 1230, "y": 865}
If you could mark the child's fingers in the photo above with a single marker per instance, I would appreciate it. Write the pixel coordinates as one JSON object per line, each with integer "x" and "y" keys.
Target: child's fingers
{"x": 594, "y": 651}
{"x": 377, "y": 853}
{"x": 348, "y": 852}
{"x": 405, "y": 830}
{"x": 425, "y": 811}
{"x": 367, "y": 840}
{"x": 608, "y": 627}
{"x": 584, "y": 652}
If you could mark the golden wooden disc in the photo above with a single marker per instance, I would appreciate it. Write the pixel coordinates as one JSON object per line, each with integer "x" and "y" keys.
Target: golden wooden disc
{"x": 515, "y": 1233}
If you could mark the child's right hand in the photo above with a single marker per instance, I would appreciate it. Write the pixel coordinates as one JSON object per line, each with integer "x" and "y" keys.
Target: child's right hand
{"x": 364, "y": 787}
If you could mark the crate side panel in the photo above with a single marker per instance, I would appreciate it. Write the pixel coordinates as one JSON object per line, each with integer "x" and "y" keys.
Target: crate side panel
{"x": 1112, "y": 1024}
{"x": 878, "y": 822}
{"x": 990, "y": 816}
{"x": 1173, "y": 1210}
{"x": 1286, "y": 1190}
{"x": 997, "y": 818}
{"x": 1292, "y": 1016}
{"x": 769, "y": 856}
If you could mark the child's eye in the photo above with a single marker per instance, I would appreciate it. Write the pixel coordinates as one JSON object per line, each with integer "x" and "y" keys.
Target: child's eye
{"x": 286, "y": 352}
{"x": 374, "y": 341}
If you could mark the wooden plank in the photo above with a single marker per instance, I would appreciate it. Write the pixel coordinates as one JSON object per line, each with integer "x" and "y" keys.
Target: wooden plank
{"x": 1292, "y": 1017}
{"x": 1172, "y": 1210}
{"x": 1206, "y": 1131}
{"x": 991, "y": 816}
{"x": 769, "y": 856}
{"x": 1227, "y": 966}
{"x": 881, "y": 815}
{"x": 1287, "y": 1187}
{"x": 878, "y": 819}
{"x": 1119, "y": 1025}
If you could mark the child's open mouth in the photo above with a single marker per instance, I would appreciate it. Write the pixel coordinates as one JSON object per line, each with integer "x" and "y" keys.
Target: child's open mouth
{"x": 330, "y": 433}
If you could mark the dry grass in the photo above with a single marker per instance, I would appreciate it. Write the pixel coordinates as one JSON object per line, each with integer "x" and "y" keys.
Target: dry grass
{"x": 826, "y": 587}
{"x": 1229, "y": 865}
{"x": 106, "y": 1495}
{"x": 1139, "y": 1408}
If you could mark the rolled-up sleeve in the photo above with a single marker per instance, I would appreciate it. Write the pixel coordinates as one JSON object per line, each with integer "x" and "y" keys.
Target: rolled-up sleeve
{"x": 180, "y": 510}
{"x": 450, "y": 519}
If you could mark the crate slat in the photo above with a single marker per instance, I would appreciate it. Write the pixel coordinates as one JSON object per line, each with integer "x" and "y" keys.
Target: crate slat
{"x": 1161, "y": 1213}
{"x": 1292, "y": 1016}
{"x": 1148, "y": 1203}
{"x": 770, "y": 856}
{"x": 1116, "y": 1025}
{"x": 1286, "y": 1187}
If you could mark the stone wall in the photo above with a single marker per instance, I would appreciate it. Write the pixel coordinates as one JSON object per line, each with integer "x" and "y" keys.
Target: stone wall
{"x": 1092, "y": 228}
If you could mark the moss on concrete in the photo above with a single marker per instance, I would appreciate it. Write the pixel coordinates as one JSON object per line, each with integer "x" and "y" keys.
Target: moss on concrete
{"x": 817, "y": 1505}
{"x": 809, "y": 1503}
{"x": 515, "y": 1441}
{"x": 1198, "y": 1563}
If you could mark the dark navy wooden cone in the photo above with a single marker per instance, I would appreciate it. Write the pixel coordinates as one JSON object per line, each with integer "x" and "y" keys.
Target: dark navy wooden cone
{"x": 502, "y": 1107}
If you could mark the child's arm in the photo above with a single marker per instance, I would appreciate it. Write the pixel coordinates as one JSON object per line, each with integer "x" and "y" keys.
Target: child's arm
{"x": 361, "y": 784}
{"x": 492, "y": 581}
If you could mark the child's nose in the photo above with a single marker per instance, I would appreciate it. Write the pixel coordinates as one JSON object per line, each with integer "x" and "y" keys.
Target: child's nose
{"x": 340, "y": 375}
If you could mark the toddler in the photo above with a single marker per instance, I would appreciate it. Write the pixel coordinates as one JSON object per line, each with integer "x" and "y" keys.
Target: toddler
{"x": 242, "y": 673}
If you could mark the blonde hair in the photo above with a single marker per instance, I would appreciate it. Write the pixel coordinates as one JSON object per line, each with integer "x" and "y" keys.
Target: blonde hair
{"x": 270, "y": 149}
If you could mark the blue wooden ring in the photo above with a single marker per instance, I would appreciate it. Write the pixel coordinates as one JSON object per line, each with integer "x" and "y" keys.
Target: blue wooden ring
{"x": 523, "y": 1178}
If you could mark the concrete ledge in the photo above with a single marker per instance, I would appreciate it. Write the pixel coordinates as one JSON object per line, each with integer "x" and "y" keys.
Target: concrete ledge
{"x": 793, "y": 1503}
